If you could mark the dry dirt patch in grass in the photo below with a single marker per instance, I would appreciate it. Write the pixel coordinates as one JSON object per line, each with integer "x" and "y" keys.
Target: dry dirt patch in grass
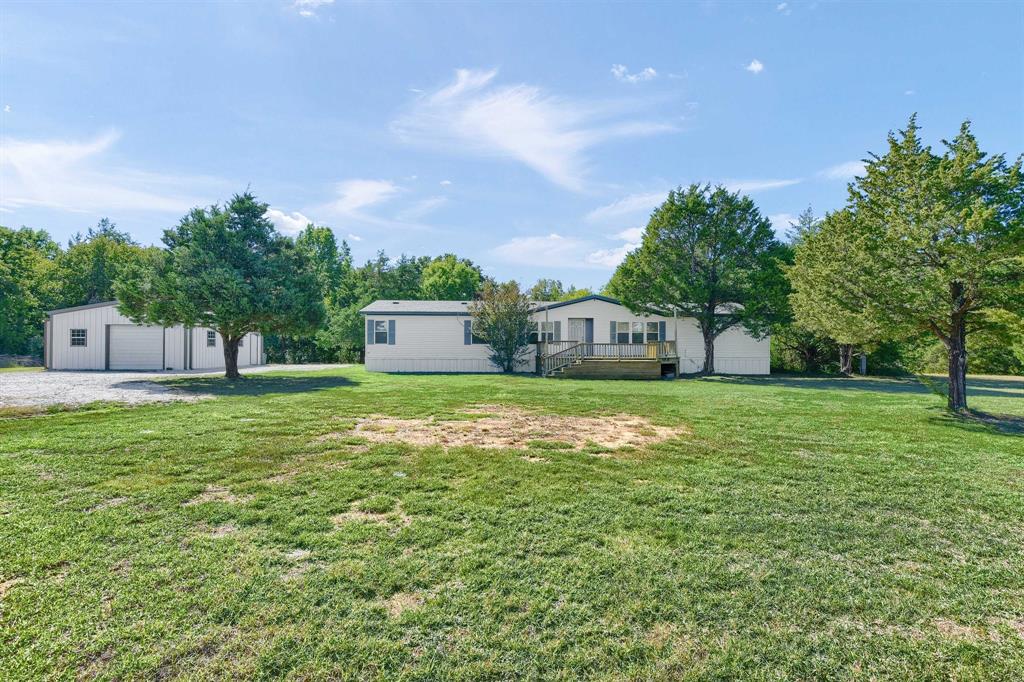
{"x": 6, "y": 585}
{"x": 395, "y": 517}
{"x": 215, "y": 493}
{"x": 401, "y": 602}
{"x": 223, "y": 530}
{"x": 107, "y": 504}
{"x": 502, "y": 426}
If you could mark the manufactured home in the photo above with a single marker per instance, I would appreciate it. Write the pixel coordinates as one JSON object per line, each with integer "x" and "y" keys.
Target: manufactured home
{"x": 99, "y": 337}
{"x": 589, "y": 336}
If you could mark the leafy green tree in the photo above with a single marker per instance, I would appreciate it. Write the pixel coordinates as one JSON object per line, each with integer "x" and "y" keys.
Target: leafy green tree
{"x": 449, "y": 278}
{"x": 87, "y": 270}
{"x": 501, "y": 317}
{"x": 574, "y": 292}
{"x": 938, "y": 242}
{"x": 806, "y": 224}
{"x": 26, "y": 262}
{"x": 228, "y": 269}
{"x": 553, "y": 290}
{"x": 330, "y": 261}
{"x": 826, "y": 299}
{"x": 547, "y": 290}
{"x": 711, "y": 255}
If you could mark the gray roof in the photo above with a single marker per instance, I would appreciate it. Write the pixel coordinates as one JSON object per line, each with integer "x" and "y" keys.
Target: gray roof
{"x": 101, "y": 304}
{"x": 387, "y": 307}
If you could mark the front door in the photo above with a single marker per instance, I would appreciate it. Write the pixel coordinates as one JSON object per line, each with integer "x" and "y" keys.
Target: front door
{"x": 577, "y": 329}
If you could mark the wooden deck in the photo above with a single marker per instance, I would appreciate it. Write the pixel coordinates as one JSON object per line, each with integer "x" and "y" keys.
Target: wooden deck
{"x": 565, "y": 357}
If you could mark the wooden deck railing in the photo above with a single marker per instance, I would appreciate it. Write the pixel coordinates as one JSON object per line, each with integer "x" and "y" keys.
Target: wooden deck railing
{"x": 554, "y": 355}
{"x": 552, "y": 362}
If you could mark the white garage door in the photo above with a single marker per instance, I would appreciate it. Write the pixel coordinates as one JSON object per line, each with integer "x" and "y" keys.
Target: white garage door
{"x": 135, "y": 347}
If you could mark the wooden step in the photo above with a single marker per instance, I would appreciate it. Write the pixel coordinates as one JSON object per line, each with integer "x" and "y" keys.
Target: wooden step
{"x": 613, "y": 369}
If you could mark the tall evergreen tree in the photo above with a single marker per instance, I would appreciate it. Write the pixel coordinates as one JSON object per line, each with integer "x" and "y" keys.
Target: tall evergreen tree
{"x": 228, "y": 269}
{"x": 825, "y": 299}
{"x": 712, "y": 256}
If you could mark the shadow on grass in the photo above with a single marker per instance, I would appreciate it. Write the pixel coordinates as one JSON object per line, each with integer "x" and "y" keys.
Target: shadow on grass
{"x": 257, "y": 384}
{"x": 980, "y": 386}
{"x": 977, "y": 421}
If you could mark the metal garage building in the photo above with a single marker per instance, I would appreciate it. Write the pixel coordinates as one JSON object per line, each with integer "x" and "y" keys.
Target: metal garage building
{"x": 97, "y": 336}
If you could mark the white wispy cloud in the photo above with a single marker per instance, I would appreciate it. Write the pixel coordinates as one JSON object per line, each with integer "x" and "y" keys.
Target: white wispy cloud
{"x": 758, "y": 185}
{"x": 622, "y": 74}
{"x": 358, "y": 193}
{"x": 628, "y": 205}
{"x": 843, "y": 171}
{"x": 633, "y": 234}
{"x": 355, "y": 237}
{"x": 445, "y": 183}
{"x": 549, "y": 134}
{"x": 549, "y": 250}
{"x": 610, "y": 258}
{"x": 308, "y": 8}
{"x": 288, "y": 223}
{"x": 784, "y": 8}
{"x": 7, "y": 108}
{"x": 642, "y": 203}
{"x": 781, "y": 223}
{"x": 755, "y": 66}
{"x": 556, "y": 250}
{"x": 84, "y": 176}
{"x": 422, "y": 208}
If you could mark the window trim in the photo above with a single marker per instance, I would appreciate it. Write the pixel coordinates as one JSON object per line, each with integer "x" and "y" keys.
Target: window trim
{"x": 622, "y": 329}
{"x": 380, "y": 327}
{"x": 84, "y": 339}
{"x": 211, "y": 338}
{"x": 546, "y": 334}
{"x": 657, "y": 332}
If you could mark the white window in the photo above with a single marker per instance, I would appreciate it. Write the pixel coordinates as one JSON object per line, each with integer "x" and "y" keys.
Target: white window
{"x": 546, "y": 331}
{"x": 631, "y": 332}
{"x": 380, "y": 331}
{"x": 78, "y": 337}
{"x": 652, "y": 331}
{"x": 211, "y": 338}
{"x": 474, "y": 339}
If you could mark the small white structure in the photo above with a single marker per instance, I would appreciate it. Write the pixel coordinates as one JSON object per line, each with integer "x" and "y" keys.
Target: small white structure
{"x": 436, "y": 336}
{"x": 99, "y": 337}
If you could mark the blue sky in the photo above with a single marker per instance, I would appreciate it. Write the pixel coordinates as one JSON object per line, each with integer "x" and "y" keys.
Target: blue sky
{"x": 534, "y": 139}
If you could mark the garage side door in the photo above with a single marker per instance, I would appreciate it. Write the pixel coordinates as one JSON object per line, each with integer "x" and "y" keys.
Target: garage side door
{"x": 135, "y": 347}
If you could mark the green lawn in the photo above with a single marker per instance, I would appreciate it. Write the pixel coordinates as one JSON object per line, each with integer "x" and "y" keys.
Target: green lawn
{"x": 797, "y": 528}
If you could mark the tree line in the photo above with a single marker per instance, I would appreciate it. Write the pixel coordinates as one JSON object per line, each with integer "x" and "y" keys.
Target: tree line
{"x": 217, "y": 268}
{"x": 923, "y": 267}
{"x": 929, "y": 250}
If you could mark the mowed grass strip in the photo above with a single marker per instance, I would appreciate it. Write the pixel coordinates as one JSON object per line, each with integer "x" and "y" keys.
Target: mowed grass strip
{"x": 795, "y": 528}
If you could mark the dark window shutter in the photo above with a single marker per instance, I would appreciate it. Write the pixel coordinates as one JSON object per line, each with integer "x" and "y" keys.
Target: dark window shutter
{"x": 467, "y": 333}
{"x": 369, "y": 332}
{"x": 391, "y": 332}
{"x": 611, "y": 334}
{"x": 661, "y": 330}
{"x": 558, "y": 331}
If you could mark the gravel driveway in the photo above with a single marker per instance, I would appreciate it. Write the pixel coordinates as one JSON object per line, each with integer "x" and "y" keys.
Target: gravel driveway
{"x": 77, "y": 388}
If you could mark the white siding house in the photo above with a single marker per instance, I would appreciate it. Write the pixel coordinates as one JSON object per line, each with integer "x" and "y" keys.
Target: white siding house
{"x": 435, "y": 336}
{"x": 99, "y": 337}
